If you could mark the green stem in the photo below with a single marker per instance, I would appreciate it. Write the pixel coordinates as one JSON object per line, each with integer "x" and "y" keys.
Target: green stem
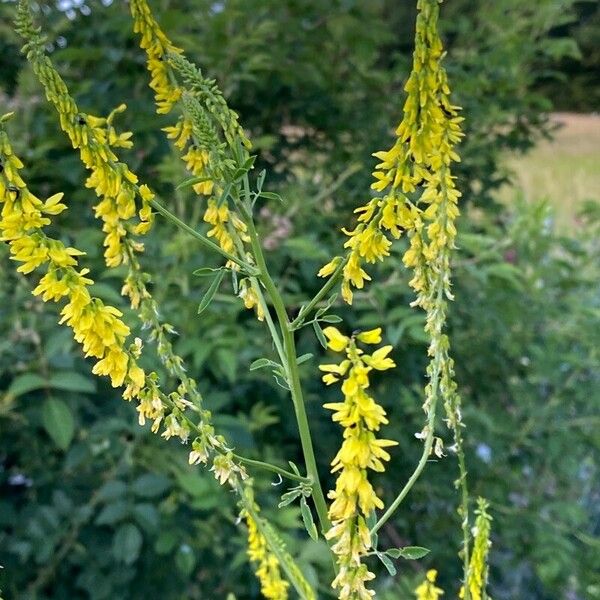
{"x": 428, "y": 444}
{"x": 261, "y": 299}
{"x": 293, "y": 375}
{"x": 327, "y": 287}
{"x": 259, "y": 464}
{"x": 203, "y": 240}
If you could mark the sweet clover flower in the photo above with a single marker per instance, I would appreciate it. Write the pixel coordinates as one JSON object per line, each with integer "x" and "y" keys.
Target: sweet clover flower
{"x": 268, "y": 572}
{"x": 354, "y": 498}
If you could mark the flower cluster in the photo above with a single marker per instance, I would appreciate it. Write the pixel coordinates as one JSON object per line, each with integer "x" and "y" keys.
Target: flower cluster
{"x": 478, "y": 566}
{"x": 94, "y": 137}
{"x": 268, "y": 572}
{"x": 96, "y": 326}
{"x": 428, "y": 590}
{"x": 354, "y": 498}
{"x": 194, "y": 134}
{"x": 419, "y": 159}
{"x": 201, "y": 159}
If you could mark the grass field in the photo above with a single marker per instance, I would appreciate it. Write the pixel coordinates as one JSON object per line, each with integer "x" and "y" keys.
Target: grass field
{"x": 565, "y": 170}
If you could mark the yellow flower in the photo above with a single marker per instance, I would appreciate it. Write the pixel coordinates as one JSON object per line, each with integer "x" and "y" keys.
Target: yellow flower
{"x": 428, "y": 590}
{"x": 250, "y": 298}
{"x": 330, "y": 267}
{"x": 337, "y": 342}
{"x": 373, "y": 336}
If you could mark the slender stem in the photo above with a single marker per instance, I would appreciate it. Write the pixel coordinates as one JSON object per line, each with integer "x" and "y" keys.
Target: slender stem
{"x": 293, "y": 375}
{"x": 268, "y": 319}
{"x": 464, "y": 504}
{"x": 259, "y": 464}
{"x": 327, "y": 287}
{"x": 261, "y": 299}
{"x": 418, "y": 469}
{"x": 203, "y": 240}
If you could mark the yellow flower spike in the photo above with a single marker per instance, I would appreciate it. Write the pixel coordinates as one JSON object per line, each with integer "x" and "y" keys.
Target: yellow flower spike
{"x": 354, "y": 498}
{"x": 268, "y": 572}
{"x": 93, "y": 136}
{"x": 336, "y": 341}
{"x": 478, "y": 567}
{"x": 96, "y": 326}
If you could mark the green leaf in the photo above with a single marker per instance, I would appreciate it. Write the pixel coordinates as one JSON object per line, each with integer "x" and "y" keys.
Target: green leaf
{"x": 387, "y": 563}
{"x": 151, "y": 485}
{"x": 113, "y": 513}
{"x": 223, "y": 197}
{"x": 261, "y": 179}
{"x": 331, "y": 319}
{"x": 249, "y": 164}
{"x": 127, "y": 544}
{"x": 304, "y": 358}
{"x": 146, "y": 516}
{"x": 166, "y": 542}
{"x": 58, "y": 422}
{"x": 281, "y": 381}
{"x": 320, "y": 335}
{"x": 27, "y": 382}
{"x": 289, "y": 497}
{"x": 307, "y": 517}
{"x": 192, "y": 181}
{"x": 210, "y": 292}
{"x": 112, "y": 490}
{"x": 394, "y": 552}
{"x": 271, "y": 196}
{"x": 206, "y": 271}
{"x": 261, "y": 363}
{"x": 71, "y": 381}
{"x": 185, "y": 559}
{"x": 413, "y": 552}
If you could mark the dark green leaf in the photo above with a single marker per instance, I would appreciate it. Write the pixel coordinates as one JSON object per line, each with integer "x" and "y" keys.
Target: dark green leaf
{"x": 307, "y": 518}
{"x": 271, "y": 196}
{"x": 185, "y": 559}
{"x": 289, "y": 497}
{"x": 210, "y": 292}
{"x": 206, "y": 271}
{"x": 71, "y": 381}
{"x": 113, "y": 513}
{"x": 387, "y": 563}
{"x": 320, "y": 335}
{"x": 58, "y": 422}
{"x": 27, "y": 382}
{"x": 260, "y": 363}
{"x": 127, "y": 544}
{"x": 192, "y": 181}
{"x": 330, "y": 319}
{"x": 150, "y": 485}
{"x": 304, "y": 358}
{"x": 413, "y": 552}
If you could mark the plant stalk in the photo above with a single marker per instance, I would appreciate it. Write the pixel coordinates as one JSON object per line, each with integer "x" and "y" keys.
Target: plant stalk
{"x": 289, "y": 347}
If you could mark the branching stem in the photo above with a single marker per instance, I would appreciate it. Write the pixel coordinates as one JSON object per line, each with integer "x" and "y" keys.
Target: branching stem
{"x": 291, "y": 364}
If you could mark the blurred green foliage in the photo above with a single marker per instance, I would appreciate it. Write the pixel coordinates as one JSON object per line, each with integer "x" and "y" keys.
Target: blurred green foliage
{"x": 93, "y": 506}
